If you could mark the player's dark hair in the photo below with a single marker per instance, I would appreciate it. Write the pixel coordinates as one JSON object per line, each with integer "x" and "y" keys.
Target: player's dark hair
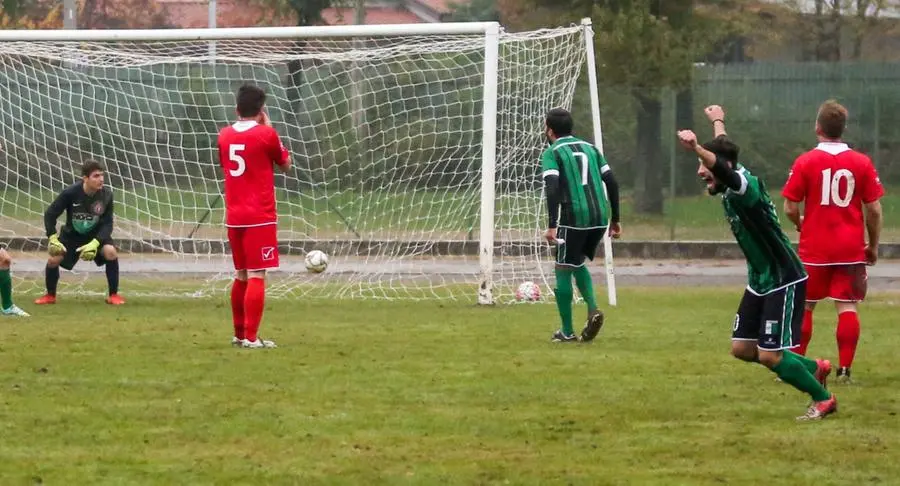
{"x": 832, "y": 119}
{"x": 250, "y": 100}
{"x": 560, "y": 121}
{"x": 724, "y": 147}
{"x": 90, "y": 166}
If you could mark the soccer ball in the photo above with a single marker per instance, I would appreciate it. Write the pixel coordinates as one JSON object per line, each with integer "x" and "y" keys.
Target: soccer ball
{"x": 528, "y": 292}
{"x": 316, "y": 261}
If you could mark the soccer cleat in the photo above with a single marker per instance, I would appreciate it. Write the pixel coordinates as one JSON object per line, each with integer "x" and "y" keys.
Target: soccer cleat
{"x": 259, "y": 343}
{"x": 236, "y": 341}
{"x": 843, "y": 375}
{"x": 47, "y": 299}
{"x": 822, "y": 371}
{"x": 592, "y": 327}
{"x": 115, "y": 299}
{"x": 14, "y": 310}
{"x": 559, "y": 337}
{"x": 820, "y": 410}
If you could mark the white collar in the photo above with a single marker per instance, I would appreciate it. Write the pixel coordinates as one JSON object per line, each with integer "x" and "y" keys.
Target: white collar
{"x": 832, "y": 148}
{"x": 243, "y": 125}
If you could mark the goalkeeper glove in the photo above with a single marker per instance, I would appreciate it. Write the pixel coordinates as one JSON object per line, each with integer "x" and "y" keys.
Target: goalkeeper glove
{"x": 89, "y": 251}
{"x": 54, "y": 246}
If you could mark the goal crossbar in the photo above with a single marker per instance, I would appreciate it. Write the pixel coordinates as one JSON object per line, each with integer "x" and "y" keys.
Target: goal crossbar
{"x": 245, "y": 33}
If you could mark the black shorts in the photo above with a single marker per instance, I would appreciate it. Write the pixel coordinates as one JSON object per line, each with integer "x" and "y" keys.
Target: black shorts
{"x": 73, "y": 242}
{"x": 772, "y": 320}
{"x": 578, "y": 244}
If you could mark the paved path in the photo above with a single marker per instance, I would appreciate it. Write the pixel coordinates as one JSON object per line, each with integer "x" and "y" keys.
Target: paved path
{"x": 884, "y": 276}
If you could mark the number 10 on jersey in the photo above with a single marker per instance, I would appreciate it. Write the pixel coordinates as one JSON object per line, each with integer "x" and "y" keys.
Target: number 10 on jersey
{"x": 831, "y": 188}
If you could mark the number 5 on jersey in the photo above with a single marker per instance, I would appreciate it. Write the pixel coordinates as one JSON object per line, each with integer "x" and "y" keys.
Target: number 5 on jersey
{"x": 233, "y": 156}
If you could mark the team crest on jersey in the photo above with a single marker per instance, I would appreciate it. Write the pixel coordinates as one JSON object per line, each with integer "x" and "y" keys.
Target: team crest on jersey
{"x": 97, "y": 208}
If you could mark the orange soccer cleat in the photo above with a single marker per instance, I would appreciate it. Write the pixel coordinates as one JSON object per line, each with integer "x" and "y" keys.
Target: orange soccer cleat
{"x": 47, "y": 299}
{"x": 824, "y": 369}
{"x": 115, "y": 299}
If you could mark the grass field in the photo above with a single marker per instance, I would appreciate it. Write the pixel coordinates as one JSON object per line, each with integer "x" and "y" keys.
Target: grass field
{"x": 374, "y": 215}
{"x": 368, "y": 392}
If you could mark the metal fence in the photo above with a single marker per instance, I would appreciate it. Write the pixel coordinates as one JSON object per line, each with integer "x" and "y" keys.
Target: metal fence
{"x": 771, "y": 109}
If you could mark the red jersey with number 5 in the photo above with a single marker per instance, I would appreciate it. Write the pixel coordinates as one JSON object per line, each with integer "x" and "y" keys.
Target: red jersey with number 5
{"x": 247, "y": 152}
{"x": 834, "y": 182}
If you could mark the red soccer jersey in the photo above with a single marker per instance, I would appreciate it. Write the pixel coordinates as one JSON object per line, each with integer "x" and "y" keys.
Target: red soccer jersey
{"x": 834, "y": 182}
{"x": 247, "y": 152}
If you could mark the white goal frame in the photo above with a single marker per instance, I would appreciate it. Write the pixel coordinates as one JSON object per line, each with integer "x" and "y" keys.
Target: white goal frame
{"x": 491, "y": 32}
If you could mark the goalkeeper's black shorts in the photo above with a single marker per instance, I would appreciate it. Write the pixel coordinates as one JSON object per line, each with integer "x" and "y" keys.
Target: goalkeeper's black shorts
{"x": 72, "y": 242}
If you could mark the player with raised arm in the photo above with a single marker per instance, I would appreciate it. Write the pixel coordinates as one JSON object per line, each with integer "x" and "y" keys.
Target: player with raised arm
{"x": 87, "y": 233}
{"x": 767, "y": 324}
{"x": 249, "y": 149}
{"x": 574, "y": 173}
{"x": 840, "y": 191}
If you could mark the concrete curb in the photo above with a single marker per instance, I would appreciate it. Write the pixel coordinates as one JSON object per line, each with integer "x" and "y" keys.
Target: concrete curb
{"x": 636, "y": 250}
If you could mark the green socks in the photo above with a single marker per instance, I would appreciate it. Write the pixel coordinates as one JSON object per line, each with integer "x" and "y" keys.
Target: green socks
{"x": 564, "y": 294}
{"x": 795, "y": 372}
{"x": 586, "y": 287}
{"x": 6, "y": 289}
{"x": 810, "y": 364}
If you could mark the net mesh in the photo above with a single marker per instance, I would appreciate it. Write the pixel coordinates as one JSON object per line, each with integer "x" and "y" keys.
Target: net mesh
{"x": 385, "y": 135}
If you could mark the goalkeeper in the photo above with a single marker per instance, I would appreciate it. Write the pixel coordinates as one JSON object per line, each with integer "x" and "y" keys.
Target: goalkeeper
{"x": 87, "y": 234}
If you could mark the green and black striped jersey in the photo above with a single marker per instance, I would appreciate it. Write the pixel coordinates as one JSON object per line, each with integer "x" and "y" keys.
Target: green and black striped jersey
{"x": 772, "y": 262}
{"x": 579, "y": 165}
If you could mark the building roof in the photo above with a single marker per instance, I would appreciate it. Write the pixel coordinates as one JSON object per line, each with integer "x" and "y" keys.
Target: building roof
{"x": 231, "y": 13}
{"x": 374, "y": 16}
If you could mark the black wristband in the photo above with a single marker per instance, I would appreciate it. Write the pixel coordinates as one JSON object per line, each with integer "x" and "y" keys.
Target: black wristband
{"x": 718, "y": 120}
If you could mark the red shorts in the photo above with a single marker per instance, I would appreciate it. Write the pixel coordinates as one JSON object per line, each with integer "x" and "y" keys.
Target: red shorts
{"x": 255, "y": 247}
{"x": 844, "y": 283}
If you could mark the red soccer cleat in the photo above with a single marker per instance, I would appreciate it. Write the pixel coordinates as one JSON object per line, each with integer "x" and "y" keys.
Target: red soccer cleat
{"x": 47, "y": 299}
{"x": 115, "y": 299}
{"x": 820, "y": 410}
{"x": 823, "y": 370}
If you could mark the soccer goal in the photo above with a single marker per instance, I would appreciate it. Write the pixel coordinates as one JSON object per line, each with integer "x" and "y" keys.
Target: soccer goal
{"x": 415, "y": 151}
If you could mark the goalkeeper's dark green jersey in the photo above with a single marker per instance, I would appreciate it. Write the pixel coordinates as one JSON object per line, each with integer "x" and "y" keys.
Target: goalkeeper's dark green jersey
{"x": 579, "y": 165}
{"x": 772, "y": 262}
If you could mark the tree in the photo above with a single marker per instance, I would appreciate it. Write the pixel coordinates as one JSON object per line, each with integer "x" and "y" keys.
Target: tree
{"x": 823, "y": 26}
{"x": 645, "y": 47}
{"x": 474, "y": 11}
{"x": 30, "y": 14}
{"x": 305, "y": 12}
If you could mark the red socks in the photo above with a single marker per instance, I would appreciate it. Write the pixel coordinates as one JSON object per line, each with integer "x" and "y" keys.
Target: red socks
{"x": 238, "y": 290}
{"x": 254, "y": 301}
{"x": 805, "y": 332}
{"x": 847, "y": 337}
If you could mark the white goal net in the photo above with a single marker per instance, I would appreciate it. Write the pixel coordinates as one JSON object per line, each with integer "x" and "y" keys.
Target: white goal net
{"x": 385, "y": 133}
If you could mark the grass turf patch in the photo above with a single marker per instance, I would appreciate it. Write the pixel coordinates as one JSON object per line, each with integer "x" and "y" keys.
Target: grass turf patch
{"x": 373, "y": 392}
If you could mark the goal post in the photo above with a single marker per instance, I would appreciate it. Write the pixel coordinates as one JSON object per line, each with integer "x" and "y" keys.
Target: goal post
{"x": 594, "y": 88}
{"x": 488, "y": 164}
{"x": 436, "y": 195}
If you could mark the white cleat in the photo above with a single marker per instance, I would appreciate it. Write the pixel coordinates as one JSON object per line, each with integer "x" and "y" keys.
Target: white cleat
{"x": 236, "y": 342}
{"x": 15, "y": 311}
{"x": 259, "y": 343}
